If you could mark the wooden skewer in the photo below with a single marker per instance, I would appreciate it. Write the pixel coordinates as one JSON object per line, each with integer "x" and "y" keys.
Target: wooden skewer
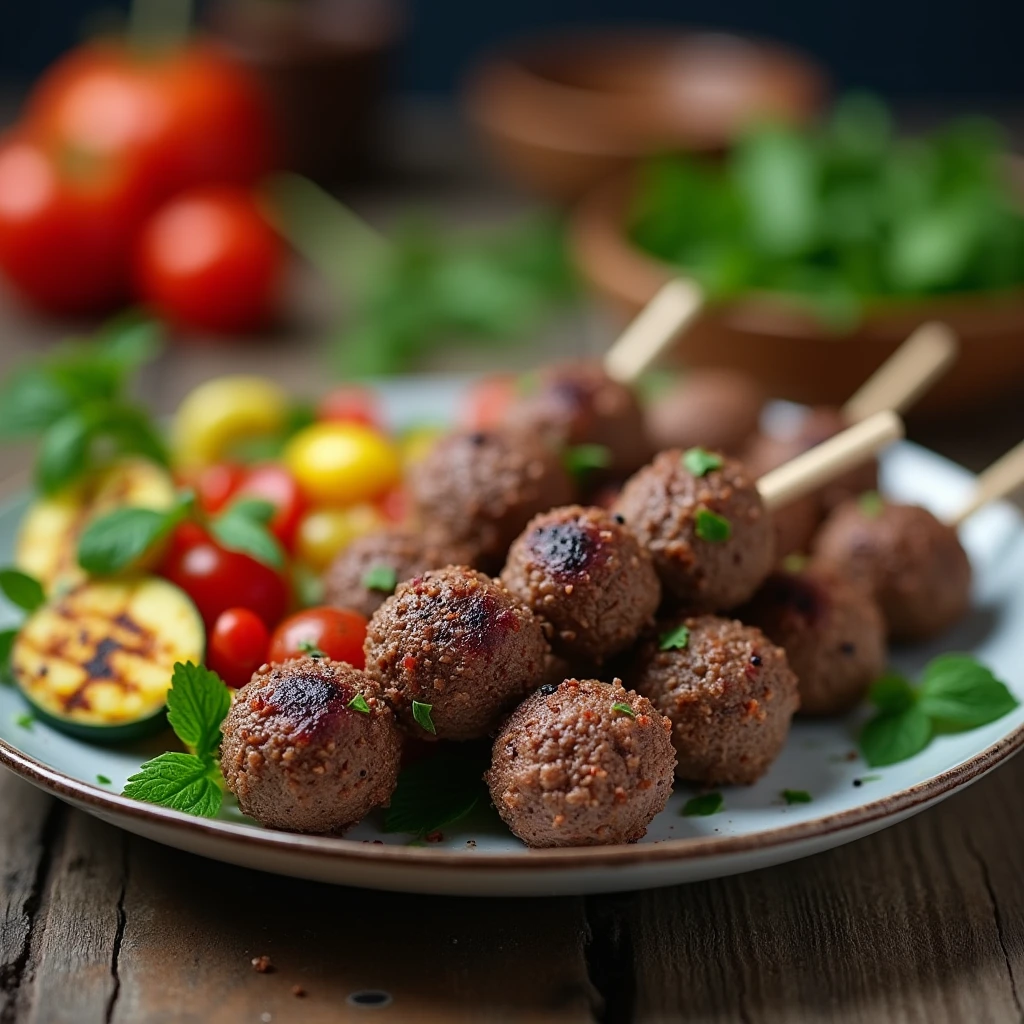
{"x": 1003, "y": 477}
{"x": 654, "y": 328}
{"x": 907, "y": 374}
{"x": 830, "y": 459}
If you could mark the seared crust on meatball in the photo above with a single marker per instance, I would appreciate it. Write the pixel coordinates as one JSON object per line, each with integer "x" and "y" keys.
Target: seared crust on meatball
{"x": 914, "y": 564}
{"x": 667, "y": 507}
{"x": 710, "y": 408}
{"x": 729, "y": 693}
{"x": 578, "y": 403}
{"x": 400, "y": 550}
{"x": 299, "y": 755}
{"x": 571, "y": 769}
{"x": 481, "y": 487}
{"x": 832, "y": 631}
{"x": 458, "y": 641}
{"x": 581, "y": 570}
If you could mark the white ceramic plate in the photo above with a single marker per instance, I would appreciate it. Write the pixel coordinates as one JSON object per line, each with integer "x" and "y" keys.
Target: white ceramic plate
{"x": 478, "y": 857}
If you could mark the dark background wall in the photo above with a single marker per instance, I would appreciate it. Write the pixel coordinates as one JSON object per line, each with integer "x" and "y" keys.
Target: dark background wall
{"x": 949, "y": 48}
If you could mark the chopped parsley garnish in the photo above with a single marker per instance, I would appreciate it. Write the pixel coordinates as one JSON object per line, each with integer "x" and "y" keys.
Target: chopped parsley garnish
{"x": 25, "y": 721}
{"x": 702, "y": 806}
{"x": 712, "y": 527}
{"x": 582, "y": 459}
{"x": 103, "y": 780}
{"x": 382, "y": 578}
{"x": 624, "y": 709}
{"x": 310, "y": 648}
{"x": 871, "y": 504}
{"x": 358, "y": 703}
{"x": 421, "y": 715}
{"x": 700, "y": 461}
{"x": 796, "y": 796}
{"x": 675, "y": 639}
{"x": 795, "y": 562}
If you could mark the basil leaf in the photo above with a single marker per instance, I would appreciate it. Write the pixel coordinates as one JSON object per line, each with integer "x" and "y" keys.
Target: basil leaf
{"x": 703, "y": 805}
{"x": 130, "y": 340}
{"x": 31, "y": 402}
{"x": 21, "y": 590}
{"x": 236, "y": 531}
{"x": 184, "y": 782}
{"x": 133, "y": 431}
{"x": 120, "y": 538}
{"x": 197, "y": 704}
{"x": 259, "y": 510}
{"x": 892, "y": 693}
{"x": 63, "y": 452}
{"x": 894, "y": 736}
{"x": 959, "y": 693}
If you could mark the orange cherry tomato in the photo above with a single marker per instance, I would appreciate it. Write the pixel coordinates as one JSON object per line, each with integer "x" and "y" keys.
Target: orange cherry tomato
{"x": 209, "y": 259}
{"x": 348, "y": 404}
{"x": 336, "y": 632}
{"x": 237, "y": 646}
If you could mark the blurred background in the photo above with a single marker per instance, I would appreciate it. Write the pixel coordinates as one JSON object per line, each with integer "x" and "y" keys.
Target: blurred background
{"x": 332, "y": 189}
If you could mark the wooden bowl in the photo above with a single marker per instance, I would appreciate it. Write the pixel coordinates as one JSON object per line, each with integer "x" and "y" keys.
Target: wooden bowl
{"x": 785, "y": 347}
{"x": 561, "y": 114}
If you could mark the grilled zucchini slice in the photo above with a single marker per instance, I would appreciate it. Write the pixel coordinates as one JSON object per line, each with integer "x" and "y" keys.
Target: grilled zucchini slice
{"x": 48, "y": 539}
{"x": 96, "y": 661}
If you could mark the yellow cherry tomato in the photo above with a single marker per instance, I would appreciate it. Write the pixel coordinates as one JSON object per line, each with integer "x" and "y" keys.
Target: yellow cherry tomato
{"x": 222, "y": 412}
{"x": 324, "y": 532}
{"x": 415, "y": 444}
{"x": 342, "y": 463}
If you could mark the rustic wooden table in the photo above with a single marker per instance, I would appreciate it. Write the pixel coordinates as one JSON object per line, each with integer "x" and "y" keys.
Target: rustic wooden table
{"x": 922, "y": 922}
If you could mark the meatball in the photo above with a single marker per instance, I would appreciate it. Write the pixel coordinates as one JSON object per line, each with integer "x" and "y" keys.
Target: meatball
{"x": 481, "y": 487}
{"x": 310, "y": 746}
{"x": 832, "y": 632}
{"x": 583, "y": 572}
{"x": 708, "y": 531}
{"x": 369, "y": 568}
{"x": 582, "y": 764}
{"x": 460, "y": 647}
{"x": 729, "y": 693}
{"x": 578, "y": 403}
{"x": 713, "y": 408}
{"x": 913, "y": 563}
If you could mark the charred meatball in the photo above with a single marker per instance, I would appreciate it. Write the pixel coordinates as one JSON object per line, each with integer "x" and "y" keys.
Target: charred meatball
{"x": 913, "y": 563}
{"x": 729, "y": 693}
{"x": 481, "y": 487}
{"x": 578, "y": 403}
{"x": 832, "y": 631}
{"x": 582, "y": 764}
{"x": 713, "y": 408}
{"x": 368, "y": 570}
{"x": 460, "y": 647}
{"x": 581, "y": 570}
{"x": 706, "y": 528}
{"x": 310, "y": 746}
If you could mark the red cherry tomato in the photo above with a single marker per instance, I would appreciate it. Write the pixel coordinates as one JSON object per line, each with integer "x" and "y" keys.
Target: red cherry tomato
{"x": 396, "y": 505}
{"x": 208, "y": 259}
{"x": 190, "y": 115}
{"x": 217, "y": 579}
{"x": 237, "y": 646}
{"x": 275, "y": 484}
{"x": 67, "y": 224}
{"x": 338, "y": 632}
{"x": 487, "y": 401}
{"x": 216, "y": 485}
{"x": 348, "y": 405}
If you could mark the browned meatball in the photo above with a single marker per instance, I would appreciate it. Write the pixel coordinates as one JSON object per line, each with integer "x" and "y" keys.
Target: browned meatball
{"x": 458, "y": 644}
{"x": 310, "y": 746}
{"x": 709, "y": 534}
{"x": 571, "y": 768}
{"x": 914, "y": 564}
{"x": 729, "y": 693}
{"x": 578, "y": 403}
{"x": 481, "y": 487}
{"x": 369, "y": 568}
{"x": 832, "y": 631}
{"x": 582, "y": 571}
{"x": 711, "y": 408}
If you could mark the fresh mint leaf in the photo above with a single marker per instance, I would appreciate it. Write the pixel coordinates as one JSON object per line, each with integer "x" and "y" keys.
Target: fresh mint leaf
{"x": 438, "y": 790}
{"x": 21, "y": 590}
{"x": 957, "y": 692}
{"x": 581, "y": 459}
{"x": 120, "y": 538}
{"x": 242, "y": 528}
{"x": 700, "y": 462}
{"x": 711, "y": 527}
{"x": 197, "y": 704}
{"x": 675, "y": 639}
{"x": 421, "y": 715}
{"x": 796, "y": 796}
{"x": 890, "y": 737}
{"x": 623, "y": 709}
{"x": 183, "y": 782}
{"x": 704, "y": 805}
{"x": 892, "y": 693}
{"x": 382, "y": 578}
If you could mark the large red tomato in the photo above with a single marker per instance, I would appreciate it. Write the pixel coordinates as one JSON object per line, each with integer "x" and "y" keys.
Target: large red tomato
{"x": 67, "y": 221}
{"x": 191, "y": 115}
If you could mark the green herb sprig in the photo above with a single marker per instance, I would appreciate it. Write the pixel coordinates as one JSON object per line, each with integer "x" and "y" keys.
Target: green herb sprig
{"x": 704, "y": 805}
{"x": 24, "y": 592}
